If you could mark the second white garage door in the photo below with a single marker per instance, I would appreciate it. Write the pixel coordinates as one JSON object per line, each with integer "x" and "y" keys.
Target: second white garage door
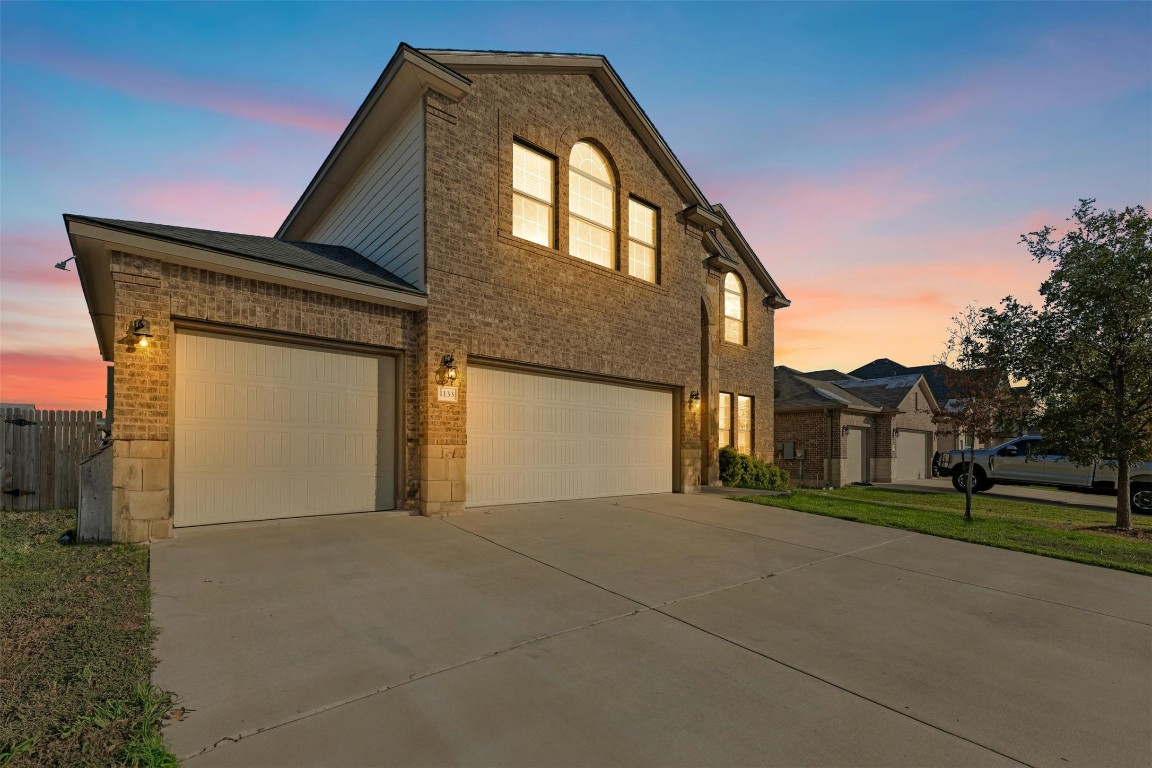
{"x": 533, "y": 437}
{"x": 912, "y": 460}
{"x": 266, "y": 430}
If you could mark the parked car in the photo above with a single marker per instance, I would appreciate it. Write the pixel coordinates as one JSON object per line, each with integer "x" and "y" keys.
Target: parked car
{"x": 1030, "y": 460}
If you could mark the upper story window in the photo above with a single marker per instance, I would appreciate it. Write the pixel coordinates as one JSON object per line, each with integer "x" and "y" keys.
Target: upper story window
{"x": 641, "y": 240}
{"x": 591, "y": 206}
{"x": 533, "y": 185}
{"x": 733, "y": 308}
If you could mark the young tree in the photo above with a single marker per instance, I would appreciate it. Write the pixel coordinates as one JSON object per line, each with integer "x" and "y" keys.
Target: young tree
{"x": 980, "y": 399}
{"x": 1087, "y": 352}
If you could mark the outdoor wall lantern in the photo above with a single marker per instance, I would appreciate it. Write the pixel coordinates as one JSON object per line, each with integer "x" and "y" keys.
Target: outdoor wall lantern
{"x": 895, "y": 433}
{"x": 845, "y": 429}
{"x": 142, "y": 329}
{"x": 447, "y": 372}
{"x": 694, "y": 400}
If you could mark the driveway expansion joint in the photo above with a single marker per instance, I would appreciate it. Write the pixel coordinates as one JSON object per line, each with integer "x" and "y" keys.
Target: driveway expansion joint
{"x": 838, "y": 687}
{"x": 412, "y": 679}
{"x": 658, "y": 609}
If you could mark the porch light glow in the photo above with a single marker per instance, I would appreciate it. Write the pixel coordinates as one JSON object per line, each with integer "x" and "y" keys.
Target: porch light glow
{"x": 143, "y": 331}
{"x": 447, "y": 372}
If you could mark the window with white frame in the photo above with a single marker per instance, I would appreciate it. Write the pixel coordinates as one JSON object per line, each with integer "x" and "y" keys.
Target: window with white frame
{"x": 744, "y": 424}
{"x": 533, "y": 185}
{"x": 733, "y": 308}
{"x": 641, "y": 240}
{"x": 591, "y": 206}
{"x": 725, "y": 419}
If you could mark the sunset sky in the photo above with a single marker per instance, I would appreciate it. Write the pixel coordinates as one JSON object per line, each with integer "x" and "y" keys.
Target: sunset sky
{"x": 882, "y": 159}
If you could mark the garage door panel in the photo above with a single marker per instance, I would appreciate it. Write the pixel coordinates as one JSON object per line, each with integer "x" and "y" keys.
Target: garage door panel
{"x": 265, "y": 431}
{"x": 533, "y": 437}
{"x": 912, "y": 456}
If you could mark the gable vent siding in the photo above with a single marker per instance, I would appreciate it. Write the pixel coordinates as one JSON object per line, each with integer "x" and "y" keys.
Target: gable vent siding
{"x": 381, "y": 212}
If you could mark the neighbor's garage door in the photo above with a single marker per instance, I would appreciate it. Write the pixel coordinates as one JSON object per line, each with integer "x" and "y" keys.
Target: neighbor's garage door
{"x": 267, "y": 430}
{"x": 912, "y": 460}
{"x": 533, "y": 437}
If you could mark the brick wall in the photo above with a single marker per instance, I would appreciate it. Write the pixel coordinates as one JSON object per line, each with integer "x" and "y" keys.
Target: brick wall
{"x": 822, "y": 435}
{"x": 497, "y": 296}
{"x": 160, "y": 292}
{"x": 748, "y": 369}
{"x": 809, "y": 430}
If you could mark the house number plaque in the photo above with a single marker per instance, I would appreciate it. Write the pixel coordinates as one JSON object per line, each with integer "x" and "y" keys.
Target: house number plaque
{"x": 447, "y": 394}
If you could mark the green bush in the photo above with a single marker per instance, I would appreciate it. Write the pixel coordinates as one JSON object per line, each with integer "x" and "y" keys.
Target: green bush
{"x": 739, "y": 470}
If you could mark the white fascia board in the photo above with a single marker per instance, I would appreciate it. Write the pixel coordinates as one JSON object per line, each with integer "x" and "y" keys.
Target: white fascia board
{"x": 238, "y": 266}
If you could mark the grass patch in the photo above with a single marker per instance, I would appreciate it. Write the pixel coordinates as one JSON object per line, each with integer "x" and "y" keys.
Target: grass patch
{"x": 75, "y": 650}
{"x": 1043, "y": 529}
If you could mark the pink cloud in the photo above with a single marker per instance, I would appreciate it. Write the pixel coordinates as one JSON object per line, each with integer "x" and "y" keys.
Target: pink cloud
{"x": 210, "y": 204}
{"x": 896, "y": 296}
{"x": 222, "y": 96}
{"x": 29, "y": 257}
{"x": 1022, "y": 85}
{"x": 49, "y": 380}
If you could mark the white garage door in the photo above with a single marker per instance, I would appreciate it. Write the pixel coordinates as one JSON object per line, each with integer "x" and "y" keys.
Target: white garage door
{"x": 541, "y": 438}
{"x": 912, "y": 460}
{"x": 266, "y": 430}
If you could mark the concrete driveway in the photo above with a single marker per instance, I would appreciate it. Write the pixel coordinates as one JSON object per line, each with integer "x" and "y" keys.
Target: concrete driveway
{"x": 651, "y": 630}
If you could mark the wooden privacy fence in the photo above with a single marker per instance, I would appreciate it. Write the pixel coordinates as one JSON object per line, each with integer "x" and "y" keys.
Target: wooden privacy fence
{"x": 42, "y": 453}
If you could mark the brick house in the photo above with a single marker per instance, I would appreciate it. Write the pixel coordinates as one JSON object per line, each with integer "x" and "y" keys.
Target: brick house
{"x": 937, "y": 375}
{"x": 501, "y": 286}
{"x": 854, "y": 430}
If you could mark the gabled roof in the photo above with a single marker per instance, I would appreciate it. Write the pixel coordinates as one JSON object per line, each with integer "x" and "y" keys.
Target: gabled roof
{"x": 411, "y": 72}
{"x": 331, "y": 260}
{"x": 776, "y": 298}
{"x": 334, "y": 270}
{"x": 796, "y": 391}
{"x": 828, "y": 374}
{"x": 879, "y": 368}
{"x": 935, "y": 374}
{"x": 596, "y": 66}
{"x": 890, "y": 391}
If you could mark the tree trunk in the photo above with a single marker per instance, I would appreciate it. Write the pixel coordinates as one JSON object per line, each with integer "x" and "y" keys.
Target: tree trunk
{"x": 1123, "y": 494}
{"x": 968, "y": 485}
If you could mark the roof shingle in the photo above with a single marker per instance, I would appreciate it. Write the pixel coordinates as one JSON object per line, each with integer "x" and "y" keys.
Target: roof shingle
{"x": 332, "y": 260}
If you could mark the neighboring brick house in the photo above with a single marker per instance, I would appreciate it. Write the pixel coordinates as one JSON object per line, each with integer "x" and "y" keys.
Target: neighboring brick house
{"x": 501, "y": 286}
{"x": 948, "y": 434}
{"x": 854, "y": 430}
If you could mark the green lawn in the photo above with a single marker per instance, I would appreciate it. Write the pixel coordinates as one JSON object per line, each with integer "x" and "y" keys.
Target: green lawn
{"x": 1042, "y": 529}
{"x": 75, "y": 650}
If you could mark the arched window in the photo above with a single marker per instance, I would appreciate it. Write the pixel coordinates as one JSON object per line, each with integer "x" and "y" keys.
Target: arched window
{"x": 591, "y": 206}
{"x": 733, "y": 308}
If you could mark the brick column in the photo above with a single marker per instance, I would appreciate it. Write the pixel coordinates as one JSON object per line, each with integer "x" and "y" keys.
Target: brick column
{"x": 141, "y": 450}
{"x": 710, "y": 375}
{"x": 443, "y": 425}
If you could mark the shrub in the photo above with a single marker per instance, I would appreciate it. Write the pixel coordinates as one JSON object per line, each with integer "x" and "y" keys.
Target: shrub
{"x": 739, "y": 470}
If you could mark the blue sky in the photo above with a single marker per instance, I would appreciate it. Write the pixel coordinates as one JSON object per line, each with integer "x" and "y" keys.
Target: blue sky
{"x": 882, "y": 158}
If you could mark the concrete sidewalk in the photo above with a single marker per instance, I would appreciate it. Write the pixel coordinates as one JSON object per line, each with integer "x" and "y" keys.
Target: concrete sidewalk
{"x": 652, "y": 630}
